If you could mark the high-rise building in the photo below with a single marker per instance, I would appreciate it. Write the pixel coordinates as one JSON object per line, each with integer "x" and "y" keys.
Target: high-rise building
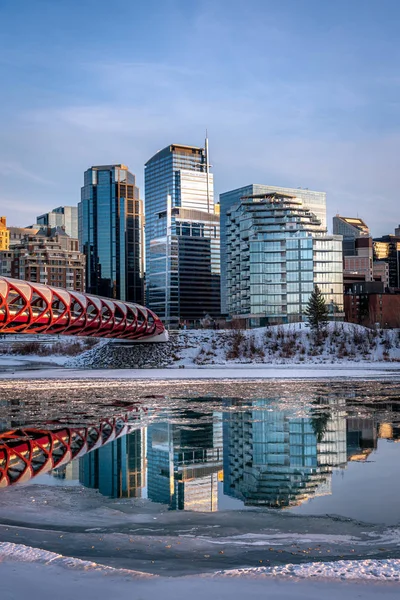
{"x": 4, "y": 234}
{"x": 276, "y": 252}
{"x": 111, "y": 223}
{"x": 277, "y": 459}
{"x": 50, "y": 257}
{"x": 65, "y": 217}
{"x": 352, "y": 229}
{"x": 314, "y": 201}
{"x": 387, "y": 249}
{"x": 117, "y": 470}
{"x": 182, "y": 235}
{"x": 184, "y": 464}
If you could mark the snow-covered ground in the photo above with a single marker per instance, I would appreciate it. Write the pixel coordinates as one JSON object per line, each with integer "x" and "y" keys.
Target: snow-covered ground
{"x": 211, "y": 372}
{"x": 37, "y": 574}
{"x": 341, "y": 344}
{"x": 13, "y": 360}
{"x": 289, "y": 344}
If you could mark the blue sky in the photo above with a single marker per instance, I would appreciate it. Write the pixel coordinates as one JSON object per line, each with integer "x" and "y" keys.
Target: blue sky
{"x": 294, "y": 93}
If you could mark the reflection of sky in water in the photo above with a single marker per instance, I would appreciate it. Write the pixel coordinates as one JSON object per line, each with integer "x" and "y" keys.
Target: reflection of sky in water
{"x": 317, "y": 451}
{"x": 366, "y": 491}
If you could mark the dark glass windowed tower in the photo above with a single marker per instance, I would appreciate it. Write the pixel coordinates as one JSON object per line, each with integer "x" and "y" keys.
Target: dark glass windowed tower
{"x": 110, "y": 216}
{"x": 182, "y": 236}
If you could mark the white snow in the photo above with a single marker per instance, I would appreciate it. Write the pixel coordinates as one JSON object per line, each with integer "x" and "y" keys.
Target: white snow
{"x": 288, "y": 344}
{"x": 15, "y": 360}
{"x": 37, "y": 574}
{"x": 349, "y": 369}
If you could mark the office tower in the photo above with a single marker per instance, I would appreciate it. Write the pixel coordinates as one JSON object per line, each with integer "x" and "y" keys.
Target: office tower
{"x": 118, "y": 469}
{"x": 65, "y": 217}
{"x": 351, "y": 228}
{"x": 182, "y": 235}
{"x": 110, "y": 218}
{"x": 387, "y": 249}
{"x": 184, "y": 463}
{"x": 4, "y": 234}
{"x": 315, "y": 201}
{"x": 397, "y": 231}
{"x": 273, "y": 458}
{"x": 50, "y": 257}
{"x": 276, "y": 252}
{"x": 361, "y": 262}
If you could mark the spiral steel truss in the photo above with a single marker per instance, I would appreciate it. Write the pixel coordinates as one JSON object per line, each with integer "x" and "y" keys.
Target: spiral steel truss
{"x": 27, "y": 307}
{"x": 26, "y": 453}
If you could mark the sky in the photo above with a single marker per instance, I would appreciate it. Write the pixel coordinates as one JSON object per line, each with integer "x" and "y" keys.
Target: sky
{"x": 299, "y": 93}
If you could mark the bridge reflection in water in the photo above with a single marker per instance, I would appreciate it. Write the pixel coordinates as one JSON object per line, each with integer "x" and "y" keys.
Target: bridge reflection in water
{"x": 252, "y": 454}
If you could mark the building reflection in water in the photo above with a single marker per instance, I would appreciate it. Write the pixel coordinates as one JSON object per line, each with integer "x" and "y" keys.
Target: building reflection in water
{"x": 117, "y": 470}
{"x": 272, "y": 458}
{"x": 265, "y": 457}
{"x": 184, "y": 464}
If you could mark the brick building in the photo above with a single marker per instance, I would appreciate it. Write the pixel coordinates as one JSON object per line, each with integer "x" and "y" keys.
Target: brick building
{"x": 370, "y": 308}
{"x": 50, "y": 257}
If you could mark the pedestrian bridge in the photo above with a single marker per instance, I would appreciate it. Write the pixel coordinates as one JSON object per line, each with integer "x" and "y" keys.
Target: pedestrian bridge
{"x": 27, "y": 307}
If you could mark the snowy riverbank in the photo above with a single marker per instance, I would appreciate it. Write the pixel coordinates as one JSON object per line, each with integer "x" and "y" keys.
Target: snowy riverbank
{"x": 25, "y": 572}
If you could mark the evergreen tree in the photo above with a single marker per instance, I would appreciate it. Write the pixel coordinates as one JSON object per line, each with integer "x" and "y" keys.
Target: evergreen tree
{"x": 317, "y": 311}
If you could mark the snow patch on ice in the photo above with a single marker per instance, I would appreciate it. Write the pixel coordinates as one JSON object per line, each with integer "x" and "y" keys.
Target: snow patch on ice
{"x": 387, "y": 570}
{"x": 22, "y": 553}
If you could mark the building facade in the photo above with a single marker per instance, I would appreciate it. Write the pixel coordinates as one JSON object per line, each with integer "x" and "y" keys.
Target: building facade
{"x": 273, "y": 458}
{"x": 182, "y": 235}
{"x": 351, "y": 228}
{"x": 315, "y": 201}
{"x": 51, "y": 258}
{"x": 111, "y": 233}
{"x": 17, "y": 234}
{"x": 4, "y": 234}
{"x": 117, "y": 470}
{"x": 372, "y": 309}
{"x": 65, "y": 217}
{"x": 276, "y": 252}
{"x": 387, "y": 249}
{"x": 185, "y": 464}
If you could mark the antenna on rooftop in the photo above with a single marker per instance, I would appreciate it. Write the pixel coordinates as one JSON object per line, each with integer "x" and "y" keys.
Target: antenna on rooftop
{"x": 207, "y": 172}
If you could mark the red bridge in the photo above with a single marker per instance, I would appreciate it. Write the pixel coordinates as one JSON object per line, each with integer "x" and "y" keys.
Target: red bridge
{"x": 26, "y": 453}
{"x": 36, "y": 308}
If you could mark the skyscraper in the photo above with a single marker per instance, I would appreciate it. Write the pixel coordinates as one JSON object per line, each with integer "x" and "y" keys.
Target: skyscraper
{"x": 387, "y": 249}
{"x": 314, "y": 201}
{"x": 65, "y": 217}
{"x": 110, "y": 216}
{"x": 351, "y": 228}
{"x": 182, "y": 235}
{"x": 276, "y": 252}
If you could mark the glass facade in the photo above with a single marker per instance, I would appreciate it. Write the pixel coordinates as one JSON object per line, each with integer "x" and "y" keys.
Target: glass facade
{"x": 273, "y": 458}
{"x": 275, "y": 253}
{"x": 387, "y": 249}
{"x": 314, "y": 201}
{"x": 118, "y": 469}
{"x": 182, "y": 236}
{"x": 184, "y": 464}
{"x": 111, "y": 224}
{"x": 65, "y": 217}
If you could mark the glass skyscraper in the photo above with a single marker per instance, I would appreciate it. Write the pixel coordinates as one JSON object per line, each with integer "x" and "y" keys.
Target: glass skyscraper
{"x": 315, "y": 201}
{"x": 182, "y": 235}
{"x": 277, "y": 459}
{"x": 276, "y": 252}
{"x": 111, "y": 223}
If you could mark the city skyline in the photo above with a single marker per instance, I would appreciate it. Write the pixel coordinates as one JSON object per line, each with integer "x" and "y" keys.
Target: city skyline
{"x": 272, "y": 113}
